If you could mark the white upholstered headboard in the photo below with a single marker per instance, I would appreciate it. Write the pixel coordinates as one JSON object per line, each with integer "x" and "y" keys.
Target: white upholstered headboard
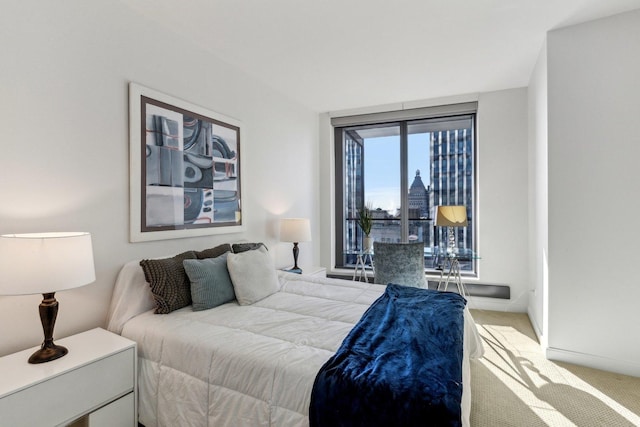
{"x": 131, "y": 296}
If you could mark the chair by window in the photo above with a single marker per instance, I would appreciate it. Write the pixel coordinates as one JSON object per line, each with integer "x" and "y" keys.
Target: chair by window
{"x": 399, "y": 263}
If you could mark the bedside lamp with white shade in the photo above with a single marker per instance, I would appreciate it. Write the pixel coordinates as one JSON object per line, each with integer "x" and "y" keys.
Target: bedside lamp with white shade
{"x": 45, "y": 263}
{"x": 295, "y": 230}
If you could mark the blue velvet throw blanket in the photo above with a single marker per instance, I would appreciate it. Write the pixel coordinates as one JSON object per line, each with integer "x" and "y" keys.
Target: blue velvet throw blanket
{"x": 401, "y": 365}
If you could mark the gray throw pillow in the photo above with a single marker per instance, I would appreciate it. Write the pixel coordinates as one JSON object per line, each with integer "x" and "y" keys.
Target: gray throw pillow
{"x": 214, "y": 252}
{"x": 253, "y": 275}
{"x": 169, "y": 282}
{"x": 243, "y": 247}
{"x": 210, "y": 282}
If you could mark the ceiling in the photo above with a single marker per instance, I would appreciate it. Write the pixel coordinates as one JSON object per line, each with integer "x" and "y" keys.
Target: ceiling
{"x": 339, "y": 54}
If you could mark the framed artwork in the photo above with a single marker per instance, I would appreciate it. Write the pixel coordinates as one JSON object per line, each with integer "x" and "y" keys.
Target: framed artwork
{"x": 185, "y": 174}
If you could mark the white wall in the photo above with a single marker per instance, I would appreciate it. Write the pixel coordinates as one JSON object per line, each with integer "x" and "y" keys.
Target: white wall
{"x": 64, "y": 162}
{"x": 594, "y": 147}
{"x": 502, "y": 196}
{"x": 538, "y": 197}
{"x": 503, "y": 199}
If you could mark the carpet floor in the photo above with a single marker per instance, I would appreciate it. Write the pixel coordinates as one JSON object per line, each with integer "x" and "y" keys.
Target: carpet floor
{"x": 514, "y": 385}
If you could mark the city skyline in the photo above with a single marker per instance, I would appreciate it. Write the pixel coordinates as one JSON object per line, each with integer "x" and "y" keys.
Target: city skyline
{"x": 383, "y": 157}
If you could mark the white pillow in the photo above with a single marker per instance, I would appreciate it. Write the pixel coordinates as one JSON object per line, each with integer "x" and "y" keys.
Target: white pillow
{"x": 253, "y": 275}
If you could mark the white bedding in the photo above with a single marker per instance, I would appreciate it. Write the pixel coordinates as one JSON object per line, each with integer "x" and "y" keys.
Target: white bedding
{"x": 246, "y": 365}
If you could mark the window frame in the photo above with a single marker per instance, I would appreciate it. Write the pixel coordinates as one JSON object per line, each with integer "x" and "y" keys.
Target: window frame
{"x": 403, "y": 119}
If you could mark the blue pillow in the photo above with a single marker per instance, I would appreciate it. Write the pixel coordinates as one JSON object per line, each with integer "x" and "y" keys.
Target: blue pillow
{"x": 210, "y": 282}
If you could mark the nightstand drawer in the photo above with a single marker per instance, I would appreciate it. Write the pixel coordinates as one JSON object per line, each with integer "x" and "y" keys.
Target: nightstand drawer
{"x": 57, "y": 400}
{"x": 74, "y": 385}
{"x": 116, "y": 414}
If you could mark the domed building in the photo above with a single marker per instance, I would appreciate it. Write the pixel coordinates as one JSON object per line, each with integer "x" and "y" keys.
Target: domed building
{"x": 418, "y": 198}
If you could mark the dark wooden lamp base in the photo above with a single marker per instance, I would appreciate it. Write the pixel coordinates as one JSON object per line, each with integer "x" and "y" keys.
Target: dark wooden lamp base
{"x": 296, "y": 251}
{"x": 48, "y": 313}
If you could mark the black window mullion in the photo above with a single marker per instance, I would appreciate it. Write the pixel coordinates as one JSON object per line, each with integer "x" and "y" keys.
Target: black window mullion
{"x": 404, "y": 183}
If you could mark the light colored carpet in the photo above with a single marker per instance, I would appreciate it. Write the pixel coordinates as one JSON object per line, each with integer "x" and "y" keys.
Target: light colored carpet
{"x": 514, "y": 385}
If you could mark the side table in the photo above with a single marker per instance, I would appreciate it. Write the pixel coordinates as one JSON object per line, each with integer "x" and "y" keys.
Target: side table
{"x": 310, "y": 270}
{"x": 94, "y": 385}
{"x": 453, "y": 275}
{"x": 360, "y": 270}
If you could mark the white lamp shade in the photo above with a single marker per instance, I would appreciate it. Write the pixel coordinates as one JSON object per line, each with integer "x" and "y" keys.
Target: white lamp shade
{"x": 38, "y": 263}
{"x": 295, "y": 230}
{"x": 451, "y": 216}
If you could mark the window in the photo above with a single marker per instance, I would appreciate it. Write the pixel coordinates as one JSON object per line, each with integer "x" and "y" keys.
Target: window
{"x": 402, "y": 165}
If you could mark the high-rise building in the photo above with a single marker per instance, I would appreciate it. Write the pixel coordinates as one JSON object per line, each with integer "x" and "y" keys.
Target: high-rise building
{"x": 452, "y": 175}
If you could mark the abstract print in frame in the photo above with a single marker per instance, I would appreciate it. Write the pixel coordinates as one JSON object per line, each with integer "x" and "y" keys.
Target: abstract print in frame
{"x": 185, "y": 169}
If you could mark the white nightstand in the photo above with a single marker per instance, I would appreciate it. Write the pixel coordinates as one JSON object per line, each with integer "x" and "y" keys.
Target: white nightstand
{"x": 312, "y": 270}
{"x": 94, "y": 385}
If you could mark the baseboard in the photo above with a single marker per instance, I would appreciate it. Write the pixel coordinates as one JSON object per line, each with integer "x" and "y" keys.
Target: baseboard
{"x": 593, "y": 361}
{"x": 536, "y": 329}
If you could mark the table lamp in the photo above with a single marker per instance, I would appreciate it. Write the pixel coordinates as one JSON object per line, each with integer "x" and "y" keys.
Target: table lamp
{"x": 45, "y": 263}
{"x": 451, "y": 216}
{"x": 295, "y": 230}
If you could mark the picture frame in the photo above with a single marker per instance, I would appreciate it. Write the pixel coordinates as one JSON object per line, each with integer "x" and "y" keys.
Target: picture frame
{"x": 185, "y": 168}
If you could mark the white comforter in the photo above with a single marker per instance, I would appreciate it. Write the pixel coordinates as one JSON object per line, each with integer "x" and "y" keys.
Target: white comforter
{"x": 252, "y": 365}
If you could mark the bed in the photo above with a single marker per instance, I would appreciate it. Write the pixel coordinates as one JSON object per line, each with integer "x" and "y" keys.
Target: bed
{"x": 245, "y": 365}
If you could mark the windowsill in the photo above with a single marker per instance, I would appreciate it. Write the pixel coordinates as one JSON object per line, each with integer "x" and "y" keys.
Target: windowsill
{"x": 472, "y": 286}
{"x": 431, "y": 275}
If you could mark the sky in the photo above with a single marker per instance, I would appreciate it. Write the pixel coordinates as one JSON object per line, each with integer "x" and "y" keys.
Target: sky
{"x": 382, "y": 168}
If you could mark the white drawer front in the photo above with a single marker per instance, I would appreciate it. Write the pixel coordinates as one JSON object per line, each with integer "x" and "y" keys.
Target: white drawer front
{"x": 116, "y": 414}
{"x": 65, "y": 397}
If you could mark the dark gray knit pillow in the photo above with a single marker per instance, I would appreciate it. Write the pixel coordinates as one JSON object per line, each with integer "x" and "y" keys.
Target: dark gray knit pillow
{"x": 214, "y": 252}
{"x": 243, "y": 247}
{"x": 169, "y": 282}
